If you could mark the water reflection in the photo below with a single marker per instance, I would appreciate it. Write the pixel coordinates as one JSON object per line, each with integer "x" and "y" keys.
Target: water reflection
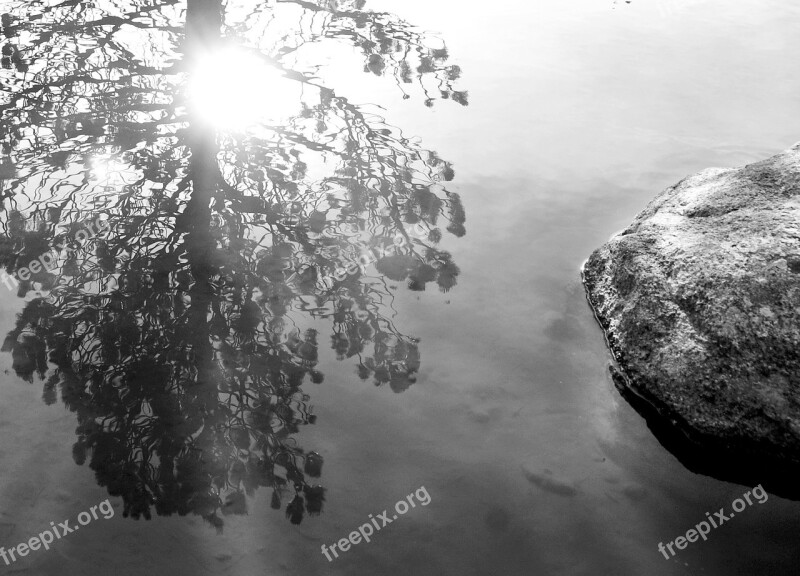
{"x": 233, "y": 88}
{"x": 173, "y": 264}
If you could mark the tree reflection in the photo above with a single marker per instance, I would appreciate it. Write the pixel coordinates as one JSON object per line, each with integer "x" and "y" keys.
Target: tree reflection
{"x": 181, "y": 266}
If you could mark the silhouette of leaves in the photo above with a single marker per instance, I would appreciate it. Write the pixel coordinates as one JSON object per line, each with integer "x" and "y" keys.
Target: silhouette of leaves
{"x": 176, "y": 332}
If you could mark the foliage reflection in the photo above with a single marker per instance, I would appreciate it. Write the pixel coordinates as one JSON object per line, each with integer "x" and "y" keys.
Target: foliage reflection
{"x": 180, "y": 335}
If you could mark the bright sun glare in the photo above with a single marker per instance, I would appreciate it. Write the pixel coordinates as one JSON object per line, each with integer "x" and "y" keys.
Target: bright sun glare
{"x": 235, "y": 89}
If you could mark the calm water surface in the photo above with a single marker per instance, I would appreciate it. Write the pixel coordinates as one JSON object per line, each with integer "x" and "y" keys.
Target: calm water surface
{"x": 580, "y": 112}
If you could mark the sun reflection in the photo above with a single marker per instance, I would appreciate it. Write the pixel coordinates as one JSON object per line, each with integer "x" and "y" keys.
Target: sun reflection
{"x": 107, "y": 171}
{"x": 234, "y": 89}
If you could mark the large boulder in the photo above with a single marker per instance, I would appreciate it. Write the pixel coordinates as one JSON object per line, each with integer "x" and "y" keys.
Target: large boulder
{"x": 700, "y": 301}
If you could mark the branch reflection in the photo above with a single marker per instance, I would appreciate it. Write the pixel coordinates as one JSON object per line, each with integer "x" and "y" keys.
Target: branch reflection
{"x": 172, "y": 265}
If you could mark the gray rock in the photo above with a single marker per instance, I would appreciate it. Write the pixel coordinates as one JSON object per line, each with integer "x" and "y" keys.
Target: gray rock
{"x": 700, "y": 301}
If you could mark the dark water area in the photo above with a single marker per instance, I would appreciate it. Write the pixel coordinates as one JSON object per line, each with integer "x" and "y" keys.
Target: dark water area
{"x": 272, "y": 268}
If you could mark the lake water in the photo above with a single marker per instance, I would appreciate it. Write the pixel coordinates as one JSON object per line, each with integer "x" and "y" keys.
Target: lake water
{"x": 579, "y": 113}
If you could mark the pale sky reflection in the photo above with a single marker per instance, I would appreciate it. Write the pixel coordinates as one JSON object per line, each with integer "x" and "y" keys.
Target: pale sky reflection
{"x": 234, "y": 89}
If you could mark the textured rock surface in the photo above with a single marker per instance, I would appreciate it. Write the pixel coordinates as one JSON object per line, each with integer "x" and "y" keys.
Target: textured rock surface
{"x": 700, "y": 301}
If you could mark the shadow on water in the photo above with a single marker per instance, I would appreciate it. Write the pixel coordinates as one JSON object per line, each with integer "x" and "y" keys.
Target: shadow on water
{"x": 172, "y": 269}
{"x": 707, "y": 455}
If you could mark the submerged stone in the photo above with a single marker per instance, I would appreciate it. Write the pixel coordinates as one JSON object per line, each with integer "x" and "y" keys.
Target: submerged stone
{"x": 700, "y": 302}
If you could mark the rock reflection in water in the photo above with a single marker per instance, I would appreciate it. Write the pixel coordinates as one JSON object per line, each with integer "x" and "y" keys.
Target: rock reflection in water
{"x": 180, "y": 335}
